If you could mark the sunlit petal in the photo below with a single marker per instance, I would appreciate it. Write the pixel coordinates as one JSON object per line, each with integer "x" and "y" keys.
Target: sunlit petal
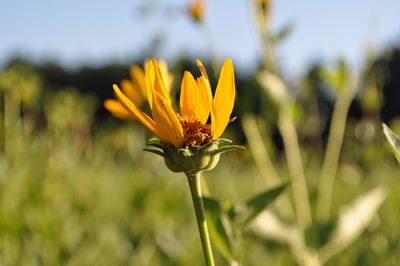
{"x": 135, "y": 111}
{"x": 202, "y": 68}
{"x": 154, "y": 81}
{"x": 132, "y": 92}
{"x": 166, "y": 121}
{"x": 117, "y": 110}
{"x": 159, "y": 83}
{"x": 207, "y": 89}
{"x": 223, "y": 99}
{"x": 168, "y": 78}
{"x": 137, "y": 77}
{"x": 189, "y": 99}
{"x": 205, "y": 99}
{"x": 149, "y": 82}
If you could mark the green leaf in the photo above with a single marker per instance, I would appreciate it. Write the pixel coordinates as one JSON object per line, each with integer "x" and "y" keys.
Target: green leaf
{"x": 352, "y": 221}
{"x": 339, "y": 78}
{"x": 393, "y": 140}
{"x": 282, "y": 33}
{"x": 274, "y": 86}
{"x": 320, "y": 233}
{"x": 258, "y": 203}
{"x": 217, "y": 228}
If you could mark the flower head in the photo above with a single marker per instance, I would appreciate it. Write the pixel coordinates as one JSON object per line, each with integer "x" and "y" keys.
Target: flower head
{"x": 188, "y": 128}
{"x": 186, "y": 140}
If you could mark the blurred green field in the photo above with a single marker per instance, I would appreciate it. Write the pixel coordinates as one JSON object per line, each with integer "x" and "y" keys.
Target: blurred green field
{"x": 75, "y": 192}
{"x": 77, "y": 189}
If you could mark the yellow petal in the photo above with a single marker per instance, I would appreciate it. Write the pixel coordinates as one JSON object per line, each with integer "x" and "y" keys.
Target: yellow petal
{"x": 117, "y": 110}
{"x": 154, "y": 82}
{"x": 137, "y": 77}
{"x": 205, "y": 99}
{"x": 132, "y": 92}
{"x": 201, "y": 68}
{"x": 169, "y": 81}
{"x": 189, "y": 99}
{"x": 223, "y": 99}
{"x": 166, "y": 121}
{"x": 149, "y": 82}
{"x": 135, "y": 111}
{"x": 159, "y": 82}
{"x": 168, "y": 78}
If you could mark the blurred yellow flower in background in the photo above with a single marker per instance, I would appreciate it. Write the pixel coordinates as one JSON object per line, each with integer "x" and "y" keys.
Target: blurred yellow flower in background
{"x": 196, "y": 9}
{"x": 134, "y": 89}
{"x": 189, "y": 128}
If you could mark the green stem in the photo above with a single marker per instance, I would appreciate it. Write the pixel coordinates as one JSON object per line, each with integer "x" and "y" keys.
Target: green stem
{"x": 331, "y": 160}
{"x": 264, "y": 163}
{"x": 295, "y": 166}
{"x": 195, "y": 189}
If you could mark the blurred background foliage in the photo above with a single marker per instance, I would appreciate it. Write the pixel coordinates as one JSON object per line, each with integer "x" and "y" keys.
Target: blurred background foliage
{"x": 77, "y": 189}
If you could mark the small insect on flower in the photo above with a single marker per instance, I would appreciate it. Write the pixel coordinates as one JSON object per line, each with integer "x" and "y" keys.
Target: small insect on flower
{"x": 186, "y": 141}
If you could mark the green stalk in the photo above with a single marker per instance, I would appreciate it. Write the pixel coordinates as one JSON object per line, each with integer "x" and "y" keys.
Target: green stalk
{"x": 264, "y": 163}
{"x": 288, "y": 132}
{"x": 331, "y": 160}
{"x": 195, "y": 190}
{"x": 296, "y": 171}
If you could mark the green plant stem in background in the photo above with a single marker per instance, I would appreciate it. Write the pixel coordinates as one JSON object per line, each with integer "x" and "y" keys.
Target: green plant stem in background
{"x": 287, "y": 130}
{"x": 264, "y": 162}
{"x": 260, "y": 155}
{"x": 195, "y": 190}
{"x": 295, "y": 165}
{"x": 268, "y": 53}
{"x": 331, "y": 160}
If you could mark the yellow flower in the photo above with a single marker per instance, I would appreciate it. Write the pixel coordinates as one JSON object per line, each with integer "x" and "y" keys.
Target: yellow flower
{"x": 135, "y": 90}
{"x": 196, "y": 9}
{"x": 189, "y": 128}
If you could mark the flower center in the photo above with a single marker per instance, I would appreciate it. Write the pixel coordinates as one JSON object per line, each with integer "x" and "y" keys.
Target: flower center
{"x": 195, "y": 133}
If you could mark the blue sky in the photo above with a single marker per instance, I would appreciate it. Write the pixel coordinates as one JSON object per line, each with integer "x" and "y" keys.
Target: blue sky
{"x": 80, "y": 31}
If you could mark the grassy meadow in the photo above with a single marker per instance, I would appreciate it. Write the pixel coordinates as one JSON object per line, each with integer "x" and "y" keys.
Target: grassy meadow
{"x": 77, "y": 189}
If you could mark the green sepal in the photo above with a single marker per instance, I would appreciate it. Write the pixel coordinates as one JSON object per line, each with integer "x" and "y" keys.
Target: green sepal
{"x": 228, "y": 148}
{"x": 224, "y": 141}
{"x": 158, "y": 152}
{"x": 191, "y": 160}
{"x": 154, "y": 142}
